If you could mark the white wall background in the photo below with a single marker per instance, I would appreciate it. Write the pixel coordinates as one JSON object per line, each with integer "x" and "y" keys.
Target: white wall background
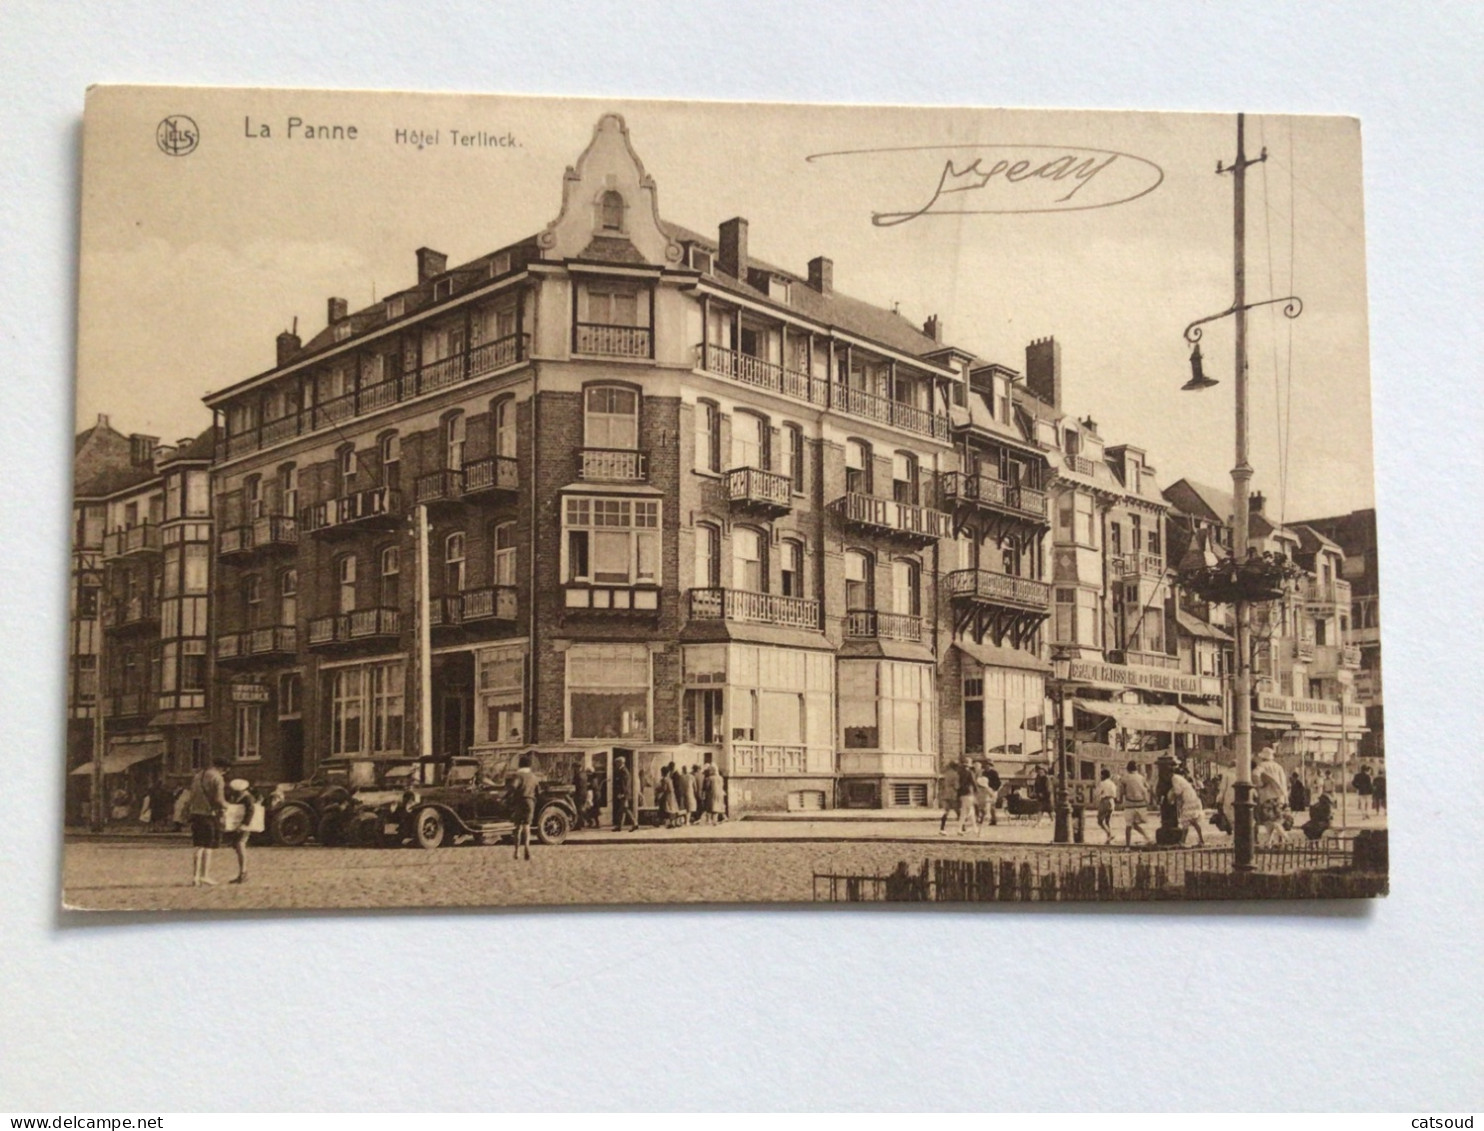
{"x": 1229, "y": 1009}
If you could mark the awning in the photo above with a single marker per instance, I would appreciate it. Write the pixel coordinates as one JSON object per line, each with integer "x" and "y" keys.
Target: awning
{"x": 1194, "y": 626}
{"x": 117, "y": 761}
{"x": 993, "y": 656}
{"x": 1149, "y": 716}
{"x": 1207, "y": 712}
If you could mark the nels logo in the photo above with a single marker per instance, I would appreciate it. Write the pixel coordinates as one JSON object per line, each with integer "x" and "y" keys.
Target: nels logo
{"x": 177, "y": 135}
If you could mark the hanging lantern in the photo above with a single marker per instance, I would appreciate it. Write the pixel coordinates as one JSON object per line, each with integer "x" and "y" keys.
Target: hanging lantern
{"x": 1198, "y": 379}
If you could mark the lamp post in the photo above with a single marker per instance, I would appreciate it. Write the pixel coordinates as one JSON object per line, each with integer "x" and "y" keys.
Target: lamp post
{"x": 1293, "y": 306}
{"x": 1061, "y": 667}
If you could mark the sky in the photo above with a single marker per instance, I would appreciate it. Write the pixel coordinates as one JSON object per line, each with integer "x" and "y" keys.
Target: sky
{"x": 191, "y": 265}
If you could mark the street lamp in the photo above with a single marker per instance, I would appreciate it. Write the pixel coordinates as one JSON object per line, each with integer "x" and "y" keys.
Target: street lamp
{"x": 1061, "y": 669}
{"x": 1241, "y": 476}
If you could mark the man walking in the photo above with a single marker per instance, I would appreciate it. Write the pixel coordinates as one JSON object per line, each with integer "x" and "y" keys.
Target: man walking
{"x": 623, "y": 797}
{"x": 208, "y": 801}
{"x": 966, "y": 806}
{"x": 523, "y": 804}
{"x": 1133, "y": 797}
{"x": 1363, "y": 785}
{"x": 948, "y": 794}
{"x": 1105, "y": 797}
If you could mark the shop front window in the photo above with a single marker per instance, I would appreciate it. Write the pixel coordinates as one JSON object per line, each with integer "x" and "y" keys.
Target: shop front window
{"x": 608, "y": 689}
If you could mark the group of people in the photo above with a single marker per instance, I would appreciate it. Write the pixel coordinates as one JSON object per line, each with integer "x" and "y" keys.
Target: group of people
{"x": 220, "y": 811}
{"x": 682, "y": 796}
{"x": 970, "y": 792}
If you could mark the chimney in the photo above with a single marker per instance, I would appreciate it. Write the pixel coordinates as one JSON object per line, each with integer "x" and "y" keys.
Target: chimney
{"x": 933, "y": 328}
{"x": 103, "y": 420}
{"x": 288, "y": 345}
{"x": 336, "y": 311}
{"x": 1255, "y": 502}
{"x": 1091, "y": 425}
{"x": 822, "y": 274}
{"x": 731, "y": 255}
{"x": 1043, "y": 370}
{"x": 430, "y": 263}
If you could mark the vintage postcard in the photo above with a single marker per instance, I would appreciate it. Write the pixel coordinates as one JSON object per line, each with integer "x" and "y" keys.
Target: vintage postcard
{"x": 485, "y": 500}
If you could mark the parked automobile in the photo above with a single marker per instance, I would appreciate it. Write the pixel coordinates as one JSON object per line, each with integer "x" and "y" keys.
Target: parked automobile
{"x": 474, "y": 804}
{"x": 328, "y": 805}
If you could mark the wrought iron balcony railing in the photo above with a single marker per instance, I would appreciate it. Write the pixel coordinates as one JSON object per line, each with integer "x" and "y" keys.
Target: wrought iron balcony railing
{"x": 141, "y": 539}
{"x": 765, "y": 490}
{"x": 998, "y": 588}
{"x": 876, "y": 625}
{"x": 754, "y": 608}
{"x": 375, "y": 506}
{"x": 608, "y": 340}
{"x": 622, "y": 465}
{"x": 361, "y": 624}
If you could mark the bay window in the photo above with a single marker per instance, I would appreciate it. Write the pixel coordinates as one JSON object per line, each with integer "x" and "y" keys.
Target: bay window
{"x": 610, "y": 417}
{"x": 502, "y": 676}
{"x": 611, "y": 541}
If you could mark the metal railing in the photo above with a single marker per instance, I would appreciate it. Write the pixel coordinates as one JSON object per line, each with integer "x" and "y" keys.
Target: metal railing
{"x": 144, "y": 538}
{"x": 611, "y": 340}
{"x": 754, "y": 608}
{"x": 752, "y": 485}
{"x": 489, "y": 356}
{"x": 134, "y": 610}
{"x": 495, "y": 473}
{"x": 279, "y": 640}
{"x": 498, "y": 602}
{"x": 963, "y": 487}
{"x": 999, "y": 588}
{"x": 359, "y": 624}
{"x": 876, "y": 625}
{"x": 359, "y": 506}
{"x": 893, "y": 517}
{"x": 1080, "y": 464}
{"x": 1138, "y": 659}
{"x": 613, "y": 464}
{"x": 261, "y": 533}
{"x": 1326, "y": 593}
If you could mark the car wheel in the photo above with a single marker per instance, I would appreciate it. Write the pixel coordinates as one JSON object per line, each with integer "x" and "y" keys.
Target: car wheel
{"x": 553, "y": 825}
{"x": 429, "y": 829}
{"x": 364, "y": 831}
{"x": 291, "y": 826}
{"x": 330, "y": 831}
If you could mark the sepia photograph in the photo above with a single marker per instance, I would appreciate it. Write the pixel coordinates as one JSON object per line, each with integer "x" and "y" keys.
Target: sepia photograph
{"x": 487, "y": 500}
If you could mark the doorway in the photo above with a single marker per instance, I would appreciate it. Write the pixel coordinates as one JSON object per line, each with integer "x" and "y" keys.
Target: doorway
{"x": 291, "y": 749}
{"x": 453, "y": 704}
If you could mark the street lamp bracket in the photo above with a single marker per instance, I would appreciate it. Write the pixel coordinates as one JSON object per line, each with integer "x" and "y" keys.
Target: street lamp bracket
{"x": 1293, "y": 306}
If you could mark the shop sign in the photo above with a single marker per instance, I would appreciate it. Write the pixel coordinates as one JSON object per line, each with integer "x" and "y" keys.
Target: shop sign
{"x": 1311, "y": 710}
{"x": 249, "y": 693}
{"x": 1144, "y": 679}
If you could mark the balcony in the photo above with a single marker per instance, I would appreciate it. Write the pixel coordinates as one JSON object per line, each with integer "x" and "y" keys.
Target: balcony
{"x": 271, "y": 532}
{"x": 765, "y": 492}
{"x": 490, "y": 356}
{"x": 760, "y": 758}
{"x": 1303, "y": 650}
{"x": 1080, "y": 464}
{"x": 129, "y": 705}
{"x": 746, "y": 607}
{"x": 606, "y": 340}
{"x": 1331, "y": 658}
{"x": 496, "y": 603}
{"x": 908, "y": 523}
{"x": 762, "y": 374}
{"x": 980, "y": 585}
{"x": 362, "y": 624}
{"x": 871, "y": 624}
{"x": 141, "y": 539}
{"x": 959, "y": 488}
{"x": 1327, "y": 594}
{"x": 1137, "y": 659}
{"x": 614, "y": 465}
{"x": 135, "y": 612}
{"x": 374, "y": 508}
{"x": 499, "y": 473}
{"x": 1138, "y": 565}
{"x": 279, "y": 641}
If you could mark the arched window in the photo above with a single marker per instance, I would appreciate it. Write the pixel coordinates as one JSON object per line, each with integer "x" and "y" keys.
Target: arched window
{"x": 453, "y": 441}
{"x": 288, "y": 598}
{"x": 391, "y": 577}
{"x": 611, "y": 417}
{"x": 453, "y": 563}
{"x": 346, "y": 465}
{"x": 505, "y": 553}
{"x": 252, "y": 490}
{"x": 610, "y": 211}
{"x": 502, "y": 425}
{"x": 345, "y": 574}
{"x": 857, "y": 467}
{"x": 749, "y": 560}
{"x": 288, "y": 490}
{"x": 749, "y": 441}
{"x": 904, "y": 478}
{"x": 708, "y": 437}
{"x": 791, "y": 568}
{"x": 905, "y": 590}
{"x": 708, "y": 553}
{"x": 857, "y": 580}
{"x": 795, "y": 442}
{"x": 390, "y": 450}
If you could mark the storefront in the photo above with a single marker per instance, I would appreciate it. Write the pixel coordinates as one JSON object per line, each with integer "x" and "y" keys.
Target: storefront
{"x": 1313, "y": 737}
{"x": 1005, "y": 708}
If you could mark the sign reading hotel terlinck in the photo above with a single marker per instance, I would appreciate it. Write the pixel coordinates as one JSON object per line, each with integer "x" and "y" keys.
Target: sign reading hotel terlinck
{"x": 485, "y": 500}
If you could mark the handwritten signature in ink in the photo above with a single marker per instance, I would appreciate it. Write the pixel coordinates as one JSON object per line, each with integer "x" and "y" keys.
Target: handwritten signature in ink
{"x": 1014, "y": 179}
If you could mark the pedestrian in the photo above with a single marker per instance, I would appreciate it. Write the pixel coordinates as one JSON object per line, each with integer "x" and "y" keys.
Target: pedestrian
{"x": 243, "y": 817}
{"x": 579, "y": 796}
{"x": 1321, "y": 815}
{"x": 623, "y": 796}
{"x": 716, "y": 801}
{"x": 685, "y": 796}
{"x": 665, "y": 795}
{"x": 1105, "y": 795}
{"x": 1363, "y": 787}
{"x": 1188, "y": 807}
{"x": 1298, "y": 794}
{"x": 983, "y": 797}
{"x": 948, "y": 794}
{"x": 120, "y": 804}
{"x": 966, "y": 796}
{"x": 1272, "y": 793}
{"x": 1133, "y": 798}
{"x": 523, "y": 804}
{"x": 207, "y": 802}
{"x": 695, "y": 777}
{"x": 992, "y": 776}
{"x": 1378, "y": 791}
{"x": 1041, "y": 787}
{"x": 180, "y": 812}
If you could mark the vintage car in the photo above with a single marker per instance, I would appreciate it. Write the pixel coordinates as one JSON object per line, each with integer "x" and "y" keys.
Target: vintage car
{"x": 473, "y": 804}
{"x": 329, "y": 806}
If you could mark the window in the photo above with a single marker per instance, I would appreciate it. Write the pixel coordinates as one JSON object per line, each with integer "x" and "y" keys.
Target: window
{"x": 1077, "y": 617}
{"x": 613, "y": 307}
{"x": 253, "y": 493}
{"x": 453, "y": 441}
{"x": 391, "y": 577}
{"x": 1115, "y": 538}
{"x": 886, "y": 705}
{"x": 502, "y": 673}
{"x": 708, "y": 554}
{"x": 702, "y": 715}
{"x": 1321, "y": 631}
{"x": 611, "y": 419}
{"x": 1136, "y": 533}
{"x": 290, "y": 695}
{"x": 1072, "y": 442}
{"x": 197, "y": 568}
{"x": 453, "y": 563}
{"x": 346, "y": 458}
{"x": 173, "y": 496}
{"x": 288, "y": 489}
{"x": 247, "y": 732}
{"x": 791, "y": 568}
{"x": 904, "y": 486}
{"x": 1154, "y": 537}
{"x": 610, "y": 211}
{"x": 1085, "y": 530}
{"x": 193, "y": 665}
{"x": 608, "y": 692}
{"x": 502, "y": 422}
{"x": 387, "y": 707}
{"x": 749, "y": 560}
{"x": 905, "y": 588}
{"x": 1013, "y": 709}
{"x": 288, "y": 597}
{"x": 857, "y": 467}
{"x": 359, "y": 694}
{"x": 345, "y": 572}
{"x": 794, "y": 439}
{"x": 708, "y": 437}
{"x": 252, "y": 590}
{"x": 612, "y": 541}
{"x": 504, "y": 542}
{"x": 749, "y": 440}
{"x": 391, "y": 461}
{"x": 857, "y": 580}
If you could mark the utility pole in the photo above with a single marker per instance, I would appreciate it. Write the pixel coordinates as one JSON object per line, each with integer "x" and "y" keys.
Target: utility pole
{"x": 100, "y": 700}
{"x": 424, "y": 639}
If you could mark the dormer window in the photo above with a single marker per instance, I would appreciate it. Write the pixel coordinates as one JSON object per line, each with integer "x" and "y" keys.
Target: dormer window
{"x": 610, "y": 211}
{"x": 342, "y": 331}
{"x": 1072, "y": 442}
{"x": 500, "y": 265}
{"x": 442, "y": 289}
{"x": 396, "y": 307}
{"x": 700, "y": 259}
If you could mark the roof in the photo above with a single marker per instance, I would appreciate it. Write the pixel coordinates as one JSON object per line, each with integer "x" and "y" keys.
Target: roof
{"x": 1194, "y": 626}
{"x": 1311, "y": 541}
{"x": 1200, "y": 500}
{"x": 106, "y": 466}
